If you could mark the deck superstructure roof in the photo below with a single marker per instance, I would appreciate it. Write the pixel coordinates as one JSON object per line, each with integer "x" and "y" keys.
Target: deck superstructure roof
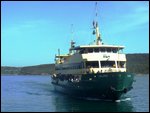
{"x": 98, "y": 46}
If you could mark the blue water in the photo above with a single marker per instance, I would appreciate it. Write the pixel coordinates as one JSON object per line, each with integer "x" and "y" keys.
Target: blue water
{"x": 35, "y": 93}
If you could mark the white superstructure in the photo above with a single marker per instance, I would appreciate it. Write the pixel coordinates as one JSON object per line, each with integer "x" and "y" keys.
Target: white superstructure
{"x": 92, "y": 59}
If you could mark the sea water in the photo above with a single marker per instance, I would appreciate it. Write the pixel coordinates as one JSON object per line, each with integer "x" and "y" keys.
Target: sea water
{"x": 35, "y": 93}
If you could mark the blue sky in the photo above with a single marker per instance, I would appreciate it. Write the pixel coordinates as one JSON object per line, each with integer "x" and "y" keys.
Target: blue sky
{"x": 32, "y": 32}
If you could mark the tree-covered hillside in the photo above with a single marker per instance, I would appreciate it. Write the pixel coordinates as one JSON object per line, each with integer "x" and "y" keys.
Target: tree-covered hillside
{"x": 138, "y": 63}
{"x": 44, "y": 69}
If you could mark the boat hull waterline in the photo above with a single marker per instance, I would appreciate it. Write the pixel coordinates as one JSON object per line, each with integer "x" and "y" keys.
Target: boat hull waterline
{"x": 99, "y": 86}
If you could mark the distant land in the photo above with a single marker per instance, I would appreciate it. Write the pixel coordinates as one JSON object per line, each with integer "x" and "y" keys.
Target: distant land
{"x": 136, "y": 63}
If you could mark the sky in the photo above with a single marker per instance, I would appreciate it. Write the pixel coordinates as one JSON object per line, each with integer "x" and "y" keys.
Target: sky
{"x": 33, "y": 31}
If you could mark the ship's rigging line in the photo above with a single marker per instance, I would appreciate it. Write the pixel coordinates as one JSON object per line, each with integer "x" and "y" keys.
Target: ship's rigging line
{"x": 72, "y": 32}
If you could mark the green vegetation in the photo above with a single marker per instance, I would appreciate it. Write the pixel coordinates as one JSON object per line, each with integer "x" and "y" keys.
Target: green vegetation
{"x": 10, "y": 70}
{"x": 45, "y": 69}
{"x": 136, "y": 63}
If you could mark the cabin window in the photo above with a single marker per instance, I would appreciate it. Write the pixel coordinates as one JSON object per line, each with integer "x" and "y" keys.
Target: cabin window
{"x": 86, "y": 51}
{"x": 108, "y": 50}
{"x": 90, "y": 50}
{"x": 92, "y": 64}
{"x": 114, "y": 50}
{"x": 96, "y": 50}
{"x": 81, "y": 51}
{"x": 121, "y": 64}
{"x": 102, "y": 50}
{"x": 106, "y": 64}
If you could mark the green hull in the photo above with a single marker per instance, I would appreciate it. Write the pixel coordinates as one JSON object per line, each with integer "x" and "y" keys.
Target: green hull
{"x": 100, "y": 86}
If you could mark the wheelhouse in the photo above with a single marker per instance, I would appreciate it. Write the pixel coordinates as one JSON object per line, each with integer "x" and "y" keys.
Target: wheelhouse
{"x": 98, "y": 49}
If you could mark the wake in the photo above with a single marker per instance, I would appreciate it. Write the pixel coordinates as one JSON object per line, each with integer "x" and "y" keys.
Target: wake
{"x": 121, "y": 100}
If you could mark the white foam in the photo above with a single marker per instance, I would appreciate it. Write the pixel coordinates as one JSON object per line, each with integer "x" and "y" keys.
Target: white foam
{"x": 126, "y": 99}
{"x": 117, "y": 100}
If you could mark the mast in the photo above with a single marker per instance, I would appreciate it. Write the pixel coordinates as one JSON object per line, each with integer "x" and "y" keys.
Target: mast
{"x": 72, "y": 46}
{"x": 72, "y": 42}
{"x": 59, "y": 55}
{"x": 96, "y": 28}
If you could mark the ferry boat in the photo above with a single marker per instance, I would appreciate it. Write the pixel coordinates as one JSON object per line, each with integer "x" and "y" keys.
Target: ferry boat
{"x": 95, "y": 71}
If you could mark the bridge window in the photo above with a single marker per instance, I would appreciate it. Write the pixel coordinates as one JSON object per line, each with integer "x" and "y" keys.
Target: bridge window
{"x": 102, "y": 50}
{"x": 92, "y": 64}
{"x": 108, "y": 64}
{"x": 96, "y": 50}
{"x": 90, "y": 50}
{"x": 114, "y": 50}
{"x": 108, "y": 50}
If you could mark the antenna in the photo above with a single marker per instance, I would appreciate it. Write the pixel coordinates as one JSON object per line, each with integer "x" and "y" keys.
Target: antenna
{"x": 72, "y": 31}
{"x": 58, "y": 52}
